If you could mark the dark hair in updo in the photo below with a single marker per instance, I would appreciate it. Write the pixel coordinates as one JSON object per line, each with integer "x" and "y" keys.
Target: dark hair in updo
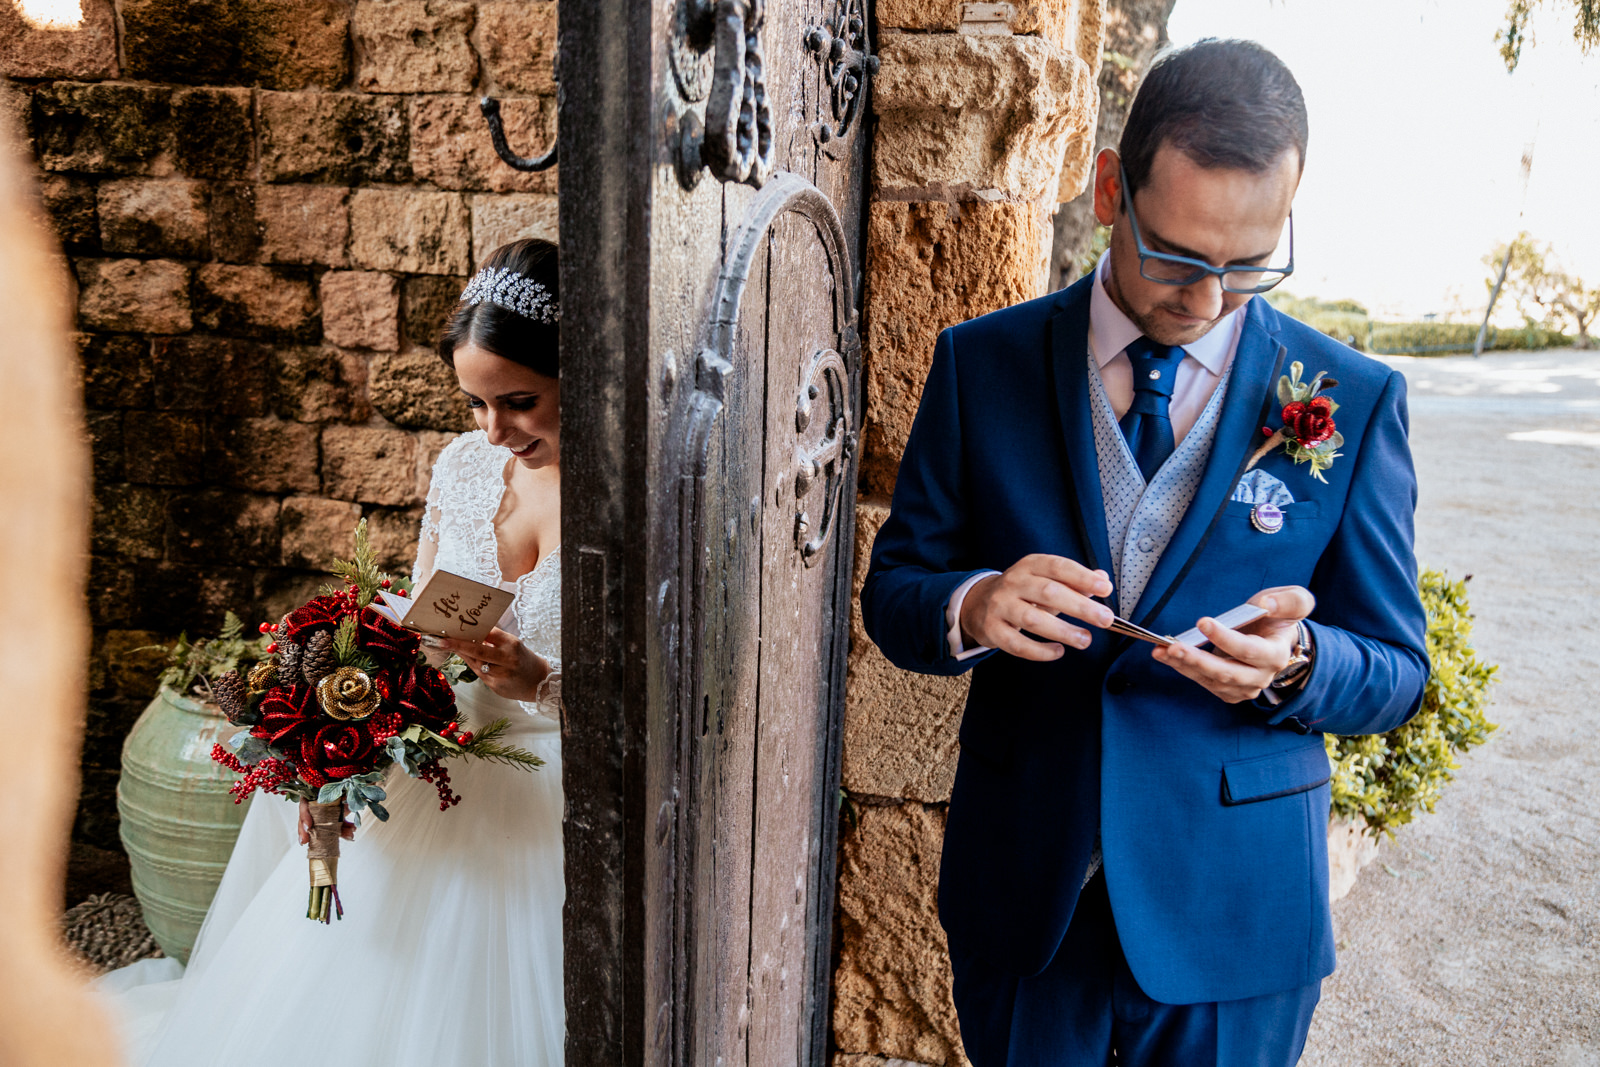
{"x": 534, "y": 344}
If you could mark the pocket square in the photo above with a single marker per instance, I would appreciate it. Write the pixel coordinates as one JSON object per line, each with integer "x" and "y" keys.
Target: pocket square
{"x": 1259, "y": 487}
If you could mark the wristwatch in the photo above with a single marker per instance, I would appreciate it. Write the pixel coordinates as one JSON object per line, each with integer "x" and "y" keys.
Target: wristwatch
{"x": 1300, "y": 660}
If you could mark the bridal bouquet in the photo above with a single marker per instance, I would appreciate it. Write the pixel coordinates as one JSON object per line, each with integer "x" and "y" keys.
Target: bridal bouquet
{"x": 344, "y": 695}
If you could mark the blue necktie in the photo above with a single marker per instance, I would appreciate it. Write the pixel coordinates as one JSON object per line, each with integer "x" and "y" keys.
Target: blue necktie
{"x": 1148, "y": 423}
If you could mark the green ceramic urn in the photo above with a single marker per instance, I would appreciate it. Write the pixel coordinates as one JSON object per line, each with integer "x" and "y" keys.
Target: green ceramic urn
{"x": 178, "y": 821}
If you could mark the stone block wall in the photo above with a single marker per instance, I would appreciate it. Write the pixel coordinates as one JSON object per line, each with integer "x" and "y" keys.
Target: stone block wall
{"x": 982, "y": 128}
{"x": 267, "y": 206}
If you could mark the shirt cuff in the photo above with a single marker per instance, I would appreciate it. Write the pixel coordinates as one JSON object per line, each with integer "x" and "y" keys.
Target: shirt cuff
{"x": 952, "y": 618}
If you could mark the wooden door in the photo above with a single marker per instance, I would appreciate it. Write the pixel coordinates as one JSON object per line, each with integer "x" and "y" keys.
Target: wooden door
{"x": 712, "y": 160}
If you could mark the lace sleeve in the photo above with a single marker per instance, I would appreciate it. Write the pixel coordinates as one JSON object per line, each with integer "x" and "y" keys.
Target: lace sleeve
{"x": 547, "y": 699}
{"x": 428, "y": 535}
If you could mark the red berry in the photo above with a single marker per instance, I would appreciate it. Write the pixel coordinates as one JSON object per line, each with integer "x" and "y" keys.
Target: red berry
{"x": 464, "y": 739}
{"x": 272, "y": 647}
{"x": 385, "y": 583}
{"x": 400, "y": 592}
{"x": 448, "y": 730}
{"x": 266, "y": 627}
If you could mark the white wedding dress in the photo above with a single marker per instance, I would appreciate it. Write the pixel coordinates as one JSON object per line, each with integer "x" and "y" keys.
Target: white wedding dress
{"x": 449, "y": 953}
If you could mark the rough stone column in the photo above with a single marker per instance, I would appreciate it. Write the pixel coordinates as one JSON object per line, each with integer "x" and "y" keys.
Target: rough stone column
{"x": 1136, "y": 30}
{"x": 983, "y": 126}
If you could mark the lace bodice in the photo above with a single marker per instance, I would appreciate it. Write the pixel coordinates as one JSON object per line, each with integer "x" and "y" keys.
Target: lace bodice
{"x": 463, "y": 499}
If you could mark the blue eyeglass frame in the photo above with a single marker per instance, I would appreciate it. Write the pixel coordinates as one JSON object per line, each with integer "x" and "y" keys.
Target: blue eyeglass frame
{"x": 1200, "y": 268}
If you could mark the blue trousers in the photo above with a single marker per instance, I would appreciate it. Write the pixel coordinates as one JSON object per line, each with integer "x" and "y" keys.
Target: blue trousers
{"x": 1086, "y": 1010}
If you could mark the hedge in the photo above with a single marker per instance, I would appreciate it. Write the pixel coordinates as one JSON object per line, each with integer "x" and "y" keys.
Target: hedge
{"x": 1385, "y": 779}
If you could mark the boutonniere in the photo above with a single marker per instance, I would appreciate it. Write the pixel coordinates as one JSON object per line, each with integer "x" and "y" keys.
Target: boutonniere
{"x": 1308, "y": 434}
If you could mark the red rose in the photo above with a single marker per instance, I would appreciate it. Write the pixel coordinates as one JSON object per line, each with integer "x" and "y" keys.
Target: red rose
{"x": 338, "y": 750}
{"x": 1311, "y": 422}
{"x": 287, "y": 711}
{"x": 420, "y": 694}
{"x": 313, "y": 614}
{"x": 379, "y": 636}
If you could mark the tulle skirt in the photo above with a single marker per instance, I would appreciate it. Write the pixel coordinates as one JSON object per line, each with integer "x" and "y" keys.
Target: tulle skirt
{"x": 449, "y": 953}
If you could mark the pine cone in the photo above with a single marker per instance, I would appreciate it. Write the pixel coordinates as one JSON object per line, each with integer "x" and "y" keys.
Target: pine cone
{"x": 318, "y": 660}
{"x": 288, "y": 660}
{"x": 233, "y": 699}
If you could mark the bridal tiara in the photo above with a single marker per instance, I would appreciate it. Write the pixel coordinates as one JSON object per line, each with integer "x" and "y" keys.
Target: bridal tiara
{"x": 505, "y": 288}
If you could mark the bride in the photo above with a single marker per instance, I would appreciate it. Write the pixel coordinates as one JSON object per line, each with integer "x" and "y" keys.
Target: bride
{"x": 449, "y": 954}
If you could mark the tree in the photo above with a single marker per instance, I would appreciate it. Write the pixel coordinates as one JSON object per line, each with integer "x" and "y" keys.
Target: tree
{"x": 1585, "y": 28}
{"x": 1536, "y": 280}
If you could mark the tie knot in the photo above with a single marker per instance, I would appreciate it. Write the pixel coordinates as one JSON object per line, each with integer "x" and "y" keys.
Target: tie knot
{"x": 1154, "y": 368}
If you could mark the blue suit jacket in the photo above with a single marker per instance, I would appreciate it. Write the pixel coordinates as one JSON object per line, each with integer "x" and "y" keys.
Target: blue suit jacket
{"x": 1213, "y": 817}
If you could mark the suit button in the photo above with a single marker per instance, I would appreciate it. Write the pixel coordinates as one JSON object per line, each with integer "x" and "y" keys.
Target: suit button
{"x": 1118, "y": 684}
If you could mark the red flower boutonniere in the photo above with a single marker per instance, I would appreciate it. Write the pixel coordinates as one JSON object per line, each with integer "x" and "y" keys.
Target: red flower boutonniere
{"x": 1309, "y": 434}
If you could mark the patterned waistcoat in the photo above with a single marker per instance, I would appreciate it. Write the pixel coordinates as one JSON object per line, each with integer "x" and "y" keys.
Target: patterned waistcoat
{"x": 1141, "y": 518}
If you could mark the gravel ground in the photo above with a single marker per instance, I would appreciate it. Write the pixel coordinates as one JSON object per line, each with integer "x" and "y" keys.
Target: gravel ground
{"x": 1475, "y": 939}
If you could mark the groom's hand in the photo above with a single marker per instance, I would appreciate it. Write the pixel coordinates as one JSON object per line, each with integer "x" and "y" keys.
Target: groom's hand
{"x": 1243, "y": 662}
{"x": 1029, "y": 596}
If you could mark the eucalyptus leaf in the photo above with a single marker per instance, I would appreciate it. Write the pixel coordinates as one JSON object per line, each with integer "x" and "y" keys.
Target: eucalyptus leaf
{"x": 252, "y": 751}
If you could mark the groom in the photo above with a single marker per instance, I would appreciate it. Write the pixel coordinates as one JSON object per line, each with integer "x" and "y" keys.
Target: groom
{"x": 1135, "y": 864}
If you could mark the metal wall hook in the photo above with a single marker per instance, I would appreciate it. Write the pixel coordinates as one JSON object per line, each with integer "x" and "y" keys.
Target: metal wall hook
{"x": 497, "y": 133}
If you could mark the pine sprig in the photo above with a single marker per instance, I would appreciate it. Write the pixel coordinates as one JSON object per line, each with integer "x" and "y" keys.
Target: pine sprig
{"x": 346, "y": 649}
{"x": 362, "y": 570}
{"x": 198, "y": 663}
{"x": 486, "y": 745}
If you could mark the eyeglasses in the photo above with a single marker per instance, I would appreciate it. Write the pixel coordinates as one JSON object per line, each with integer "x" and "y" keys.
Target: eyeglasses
{"x": 1181, "y": 270}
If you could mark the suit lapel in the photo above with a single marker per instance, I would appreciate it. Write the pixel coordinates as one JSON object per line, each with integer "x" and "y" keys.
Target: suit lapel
{"x": 1251, "y": 381}
{"x": 1069, "y": 354}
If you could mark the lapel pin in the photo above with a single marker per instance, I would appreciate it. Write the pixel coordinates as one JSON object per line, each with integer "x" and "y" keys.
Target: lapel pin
{"x": 1268, "y": 518}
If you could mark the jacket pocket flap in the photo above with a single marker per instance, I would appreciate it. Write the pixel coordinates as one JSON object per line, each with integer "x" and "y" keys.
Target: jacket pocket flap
{"x": 1280, "y": 774}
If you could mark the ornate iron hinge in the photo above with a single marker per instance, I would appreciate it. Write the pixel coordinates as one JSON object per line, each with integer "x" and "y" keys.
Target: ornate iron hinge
{"x": 841, "y": 46}
{"x": 823, "y": 457}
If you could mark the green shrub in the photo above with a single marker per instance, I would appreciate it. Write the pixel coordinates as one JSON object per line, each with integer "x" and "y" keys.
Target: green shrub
{"x": 1347, "y": 326}
{"x": 1445, "y": 337}
{"x": 1348, "y": 321}
{"x": 1386, "y": 779}
{"x": 1303, "y": 307}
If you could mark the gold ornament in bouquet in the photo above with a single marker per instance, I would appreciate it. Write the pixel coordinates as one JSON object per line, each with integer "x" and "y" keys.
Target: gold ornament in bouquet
{"x": 348, "y": 695}
{"x": 345, "y": 695}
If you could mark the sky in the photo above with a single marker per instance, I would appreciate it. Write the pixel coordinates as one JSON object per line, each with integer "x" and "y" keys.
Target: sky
{"x": 1413, "y": 170}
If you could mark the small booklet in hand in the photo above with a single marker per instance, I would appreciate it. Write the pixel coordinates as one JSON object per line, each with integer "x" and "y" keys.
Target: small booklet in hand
{"x": 448, "y": 605}
{"x": 1242, "y": 615}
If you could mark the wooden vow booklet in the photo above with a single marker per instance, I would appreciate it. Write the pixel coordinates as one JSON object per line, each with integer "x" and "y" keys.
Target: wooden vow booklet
{"x": 448, "y": 605}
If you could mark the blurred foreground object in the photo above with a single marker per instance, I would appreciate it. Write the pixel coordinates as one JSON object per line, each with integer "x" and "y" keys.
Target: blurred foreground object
{"x": 46, "y": 1014}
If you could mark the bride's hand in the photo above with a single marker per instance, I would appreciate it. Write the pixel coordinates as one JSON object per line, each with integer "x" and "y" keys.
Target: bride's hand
{"x": 347, "y": 830}
{"x": 503, "y": 663}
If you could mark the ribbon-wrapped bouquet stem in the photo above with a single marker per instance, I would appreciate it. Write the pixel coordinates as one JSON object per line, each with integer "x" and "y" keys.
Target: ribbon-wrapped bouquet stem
{"x": 344, "y": 696}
